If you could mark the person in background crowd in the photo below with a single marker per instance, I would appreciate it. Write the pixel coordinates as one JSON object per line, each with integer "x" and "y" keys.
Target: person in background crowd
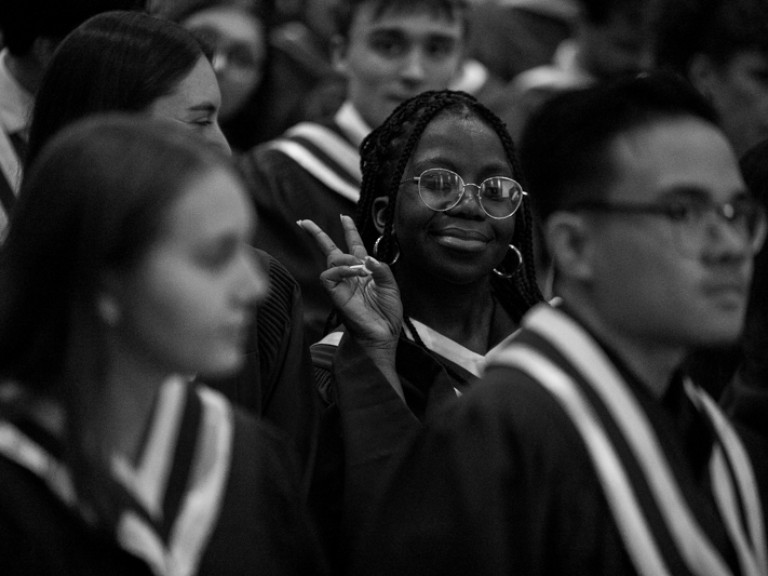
{"x": 389, "y": 51}
{"x": 301, "y": 65}
{"x": 237, "y": 34}
{"x": 610, "y": 38}
{"x": 745, "y": 398}
{"x": 122, "y": 61}
{"x": 512, "y": 36}
{"x": 126, "y": 269}
{"x": 443, "y": 205}
{"x": 721, "y": 47}
{"x": 30, "y": 31}
{"x": 582, "y": 450}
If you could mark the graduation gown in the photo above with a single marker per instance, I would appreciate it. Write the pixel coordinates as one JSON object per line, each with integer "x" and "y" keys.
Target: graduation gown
{"x": 367, "y": 428}
{"x": 312, "y": 171}
{"x": 212, "y": 492}
{"x": 560, "y": 462}
{"x": 275, "y": 383}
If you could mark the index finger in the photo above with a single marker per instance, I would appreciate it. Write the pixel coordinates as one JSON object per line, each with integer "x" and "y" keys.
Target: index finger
{"x": 322, "y": 239}
{"x": 352, "y": 237}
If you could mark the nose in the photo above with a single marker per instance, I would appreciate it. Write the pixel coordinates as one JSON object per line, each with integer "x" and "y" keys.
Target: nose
{"x": 469, "y": 203}
{"x": 726, "y": 240}
{"x": 413, "y": 68}
{"x": 216, "y": 137}
{"x": 253, "y": 284}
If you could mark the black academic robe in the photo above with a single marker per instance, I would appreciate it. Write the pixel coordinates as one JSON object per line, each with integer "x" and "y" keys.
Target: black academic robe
{"x": 284, "y": 191}
{"x": 275, "y": 383}
{"x": 212, "y": 492}
{"x": 531, "y": 473}
{"x": 367, "y": 428}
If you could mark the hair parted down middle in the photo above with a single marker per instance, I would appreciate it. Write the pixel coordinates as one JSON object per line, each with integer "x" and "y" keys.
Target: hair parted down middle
{"x": 384, "y": 156}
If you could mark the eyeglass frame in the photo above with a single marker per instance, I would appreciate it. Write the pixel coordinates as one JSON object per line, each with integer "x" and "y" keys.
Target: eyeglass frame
{"x": 674, "y": 213}
{"x": 463, "y": 185}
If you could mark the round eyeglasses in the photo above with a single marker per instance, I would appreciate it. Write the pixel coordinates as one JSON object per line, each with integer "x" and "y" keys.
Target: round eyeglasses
{"x": 690, "y": 218}
{"x": 441, "y": 189}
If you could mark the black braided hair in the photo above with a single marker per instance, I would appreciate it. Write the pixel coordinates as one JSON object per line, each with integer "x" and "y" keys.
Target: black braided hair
{"x": 384, "y": 155}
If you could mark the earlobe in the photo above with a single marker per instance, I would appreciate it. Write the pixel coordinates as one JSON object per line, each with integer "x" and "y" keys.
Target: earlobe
{"x": 108, "y": 310}
{"x": 378, "y": 213}
{"x": 570, "y": 244}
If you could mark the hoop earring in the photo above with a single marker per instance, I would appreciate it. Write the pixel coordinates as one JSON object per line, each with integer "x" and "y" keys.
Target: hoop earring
{"x": 376, "y": 251}
{"x": 510, "y": 275}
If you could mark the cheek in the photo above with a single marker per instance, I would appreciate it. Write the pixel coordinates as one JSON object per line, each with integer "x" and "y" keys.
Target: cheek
{"x": 173, "y": 310}
{"x": 441, "y": 74}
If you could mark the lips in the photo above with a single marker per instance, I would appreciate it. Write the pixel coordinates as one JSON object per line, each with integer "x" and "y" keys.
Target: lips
{"x": 463, "y": 239}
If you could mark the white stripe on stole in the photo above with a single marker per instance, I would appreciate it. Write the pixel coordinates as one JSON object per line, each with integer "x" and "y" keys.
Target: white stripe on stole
{"x": 745, "y": 478}
{"x": 19, "y": 448}
{"x": 202, "y": 502}
{"x": 630, "y": 520}
{"x": 583, "y": 353}
{"x": 147, "y": 483}
{"x": 344, "y": 153}
{"x": 10, "y": 165}
{"x": 317, "y": 168}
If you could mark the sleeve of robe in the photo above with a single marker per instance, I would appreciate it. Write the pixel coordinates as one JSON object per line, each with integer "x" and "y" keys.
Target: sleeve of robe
{"x": 276, "y": 383}
{"x": 498, "y": 484}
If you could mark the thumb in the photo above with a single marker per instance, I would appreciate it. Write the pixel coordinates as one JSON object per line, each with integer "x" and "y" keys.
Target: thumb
{"x": 381, "y": 273}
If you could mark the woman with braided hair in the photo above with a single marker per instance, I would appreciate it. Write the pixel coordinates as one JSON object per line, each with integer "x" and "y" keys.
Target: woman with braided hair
{"x": 443, "y": 205}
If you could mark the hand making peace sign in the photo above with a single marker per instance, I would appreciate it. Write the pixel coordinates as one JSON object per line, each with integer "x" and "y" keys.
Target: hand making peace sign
{"x": 363, "y": 289}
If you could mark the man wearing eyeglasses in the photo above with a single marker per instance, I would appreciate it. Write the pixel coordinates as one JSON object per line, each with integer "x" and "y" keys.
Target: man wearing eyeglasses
{"x": 584, "y": 449}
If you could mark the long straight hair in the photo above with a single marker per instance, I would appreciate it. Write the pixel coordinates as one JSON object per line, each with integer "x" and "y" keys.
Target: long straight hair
{"x": 95, "y": 200}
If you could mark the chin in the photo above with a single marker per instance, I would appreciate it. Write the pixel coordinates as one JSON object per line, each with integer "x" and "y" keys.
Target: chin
{"x": 224, "y": 366}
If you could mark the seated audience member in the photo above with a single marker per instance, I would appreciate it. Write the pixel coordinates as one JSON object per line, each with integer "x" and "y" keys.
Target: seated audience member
{"x": 512, "y": 36}
{"x": 721, "y": 47}
{"x": 123, "y": 61}
{"x": 582, "y": 450}
{"x": 301, "y": 47}
{"x": 610, "y": 38}
{"x": 236, "y": 32}
{"x": 441, "y": 203}
{"x": 745, "y": 399}
{"x": 127, "y": 268}
{"x": 30, "y": 30}
{"x": 389, "y": 50}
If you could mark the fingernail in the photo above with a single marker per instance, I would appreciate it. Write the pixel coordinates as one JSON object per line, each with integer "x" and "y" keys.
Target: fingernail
{"x": 373, "y": 260}
{"x": 299, "y": 222}
{"x": 360, "y": 267}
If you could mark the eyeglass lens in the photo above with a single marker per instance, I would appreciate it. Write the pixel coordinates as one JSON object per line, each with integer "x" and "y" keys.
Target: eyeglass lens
{"x": 441, "y": 190}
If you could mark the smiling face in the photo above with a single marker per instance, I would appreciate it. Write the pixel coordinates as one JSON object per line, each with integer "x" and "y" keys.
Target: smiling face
{"x": 393, "y": 56}
{"x": 195, "y": 103}
{"x": 463, "y": 244}
{"x": 643, "y": 283}
{"x": 187, "y": 304}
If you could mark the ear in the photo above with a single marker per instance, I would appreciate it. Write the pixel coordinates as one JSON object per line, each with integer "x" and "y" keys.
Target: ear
{"x": 570, "y": 240}
{"x": 378, "y": 213}
{"x": 108, "y": 309}
{"x": 339, "y": 55}
{"x": 108, "y": 305}
{"x": 704, "y": 75}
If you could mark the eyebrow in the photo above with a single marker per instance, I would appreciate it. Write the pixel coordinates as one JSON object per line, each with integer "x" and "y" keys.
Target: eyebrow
{"x": 694, "y": 192}
{"x": 203, "y": 107}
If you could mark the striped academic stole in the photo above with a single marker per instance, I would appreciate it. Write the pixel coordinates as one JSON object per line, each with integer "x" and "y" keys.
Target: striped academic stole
{"x": 326, "y": 155}
{"x": 733, "y": 480}
{"x": 12, "y": 148}
{"x": 179, "y": 481}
